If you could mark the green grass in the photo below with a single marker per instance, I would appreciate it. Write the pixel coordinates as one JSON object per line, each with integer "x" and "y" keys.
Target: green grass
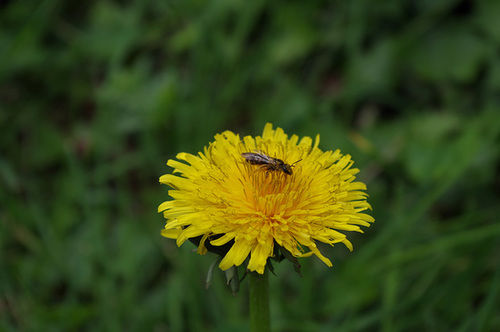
{"x": 96, "y": 96}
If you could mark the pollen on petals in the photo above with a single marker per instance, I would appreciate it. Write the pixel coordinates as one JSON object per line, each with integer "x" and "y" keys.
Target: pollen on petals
{"x": 223, "y": 200}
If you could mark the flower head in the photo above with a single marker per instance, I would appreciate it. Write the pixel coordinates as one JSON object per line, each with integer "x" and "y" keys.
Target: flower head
{"x": 224, "y": 200}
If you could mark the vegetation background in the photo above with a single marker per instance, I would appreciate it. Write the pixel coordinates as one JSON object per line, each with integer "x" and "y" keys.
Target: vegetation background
{"x": 96, "y": 96}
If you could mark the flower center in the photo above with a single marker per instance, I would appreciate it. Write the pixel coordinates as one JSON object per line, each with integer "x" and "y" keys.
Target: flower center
{"x": 273, "y": 193}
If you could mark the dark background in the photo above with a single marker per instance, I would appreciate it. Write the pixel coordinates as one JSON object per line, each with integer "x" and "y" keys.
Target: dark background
{"x": 96, "y": 96}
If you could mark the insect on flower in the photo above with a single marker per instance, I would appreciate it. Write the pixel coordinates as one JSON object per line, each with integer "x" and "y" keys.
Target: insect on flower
{"x": 268, "y": 163}
{"x": 249, "y": 217}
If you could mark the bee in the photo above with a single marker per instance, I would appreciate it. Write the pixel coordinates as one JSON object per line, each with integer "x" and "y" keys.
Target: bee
{"x": 268, "y": 163}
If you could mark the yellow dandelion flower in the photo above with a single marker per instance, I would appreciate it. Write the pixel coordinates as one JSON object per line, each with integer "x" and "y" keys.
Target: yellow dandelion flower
{"x": 300, "y": 196}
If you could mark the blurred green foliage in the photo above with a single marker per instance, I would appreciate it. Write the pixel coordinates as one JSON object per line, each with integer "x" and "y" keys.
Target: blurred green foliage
{"x": 95, "y": 96}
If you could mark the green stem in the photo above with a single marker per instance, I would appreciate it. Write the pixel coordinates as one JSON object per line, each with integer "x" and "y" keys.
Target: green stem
{"x": 259, "y": 302}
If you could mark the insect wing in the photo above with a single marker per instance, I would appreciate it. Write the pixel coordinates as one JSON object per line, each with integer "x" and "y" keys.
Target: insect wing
{"x": 256, "y": 158}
